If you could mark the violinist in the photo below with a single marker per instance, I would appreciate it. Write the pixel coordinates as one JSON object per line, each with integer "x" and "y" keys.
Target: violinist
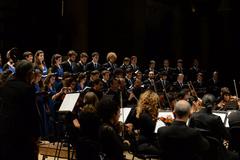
{"x": 146, "y": 118}
{"x": 178, "y": 138}
{"x": 227, "y": 102}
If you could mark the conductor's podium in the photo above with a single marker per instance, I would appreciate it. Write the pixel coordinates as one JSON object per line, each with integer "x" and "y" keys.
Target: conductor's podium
{"x": 47, "y": 149}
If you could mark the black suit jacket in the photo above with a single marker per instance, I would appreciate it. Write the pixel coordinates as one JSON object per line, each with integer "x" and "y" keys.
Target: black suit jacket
{"x": 81, "y": 67}
{"x": 178, "y": 141}
{"x": 210, "y": 122}
{"x": 19, "y": 120}
{"x": 90, "y": 67}
{"x": 160, "y": 85}
{"x": 110, "y": 67}
{"x": 110, "y": 142}
{"x": 176, "y": 87}
{"x": 71, "y": 68}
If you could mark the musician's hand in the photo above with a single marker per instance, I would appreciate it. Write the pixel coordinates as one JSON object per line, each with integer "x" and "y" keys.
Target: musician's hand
{"x": 131, "y": 96}
{"x": 119, "y": 127}
{"x": 129, "y": 127}
{"x": 76, "y": 123}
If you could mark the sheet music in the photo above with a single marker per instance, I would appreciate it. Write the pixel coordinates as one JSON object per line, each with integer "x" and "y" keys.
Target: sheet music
{"x": 227, "y": 123}
{"x": 124, "y": 112}
{"x": 222, "y": 115}
{"x": 158, "y": 125}
{"x": 69, "y": 102}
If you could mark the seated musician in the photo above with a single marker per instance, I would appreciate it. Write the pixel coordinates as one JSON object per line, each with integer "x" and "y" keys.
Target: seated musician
{"x": 146, "y": 117}
{"x": 211, "y": 125}
{"x": 204, "y": 119}
{"x": 109, "y": 139}
{"x": 178, "y": 138}
{"x": 227, "y": 102}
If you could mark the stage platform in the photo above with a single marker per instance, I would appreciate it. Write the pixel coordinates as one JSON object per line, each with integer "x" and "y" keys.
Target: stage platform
{"x": 47, "y": 151}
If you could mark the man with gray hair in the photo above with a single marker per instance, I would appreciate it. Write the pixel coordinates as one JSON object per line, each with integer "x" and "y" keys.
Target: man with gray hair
{"x": 178, "y": 138}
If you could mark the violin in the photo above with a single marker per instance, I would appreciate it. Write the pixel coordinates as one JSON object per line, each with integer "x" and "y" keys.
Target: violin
{"x": 228, "y": 101}
{"x": 167, "y": 120}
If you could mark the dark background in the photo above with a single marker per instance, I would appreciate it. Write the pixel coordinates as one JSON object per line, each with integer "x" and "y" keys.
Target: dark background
{"x": 150, "y": 29}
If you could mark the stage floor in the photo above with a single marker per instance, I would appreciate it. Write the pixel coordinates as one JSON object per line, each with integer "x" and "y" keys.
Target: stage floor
{"x": 47, "y": 151}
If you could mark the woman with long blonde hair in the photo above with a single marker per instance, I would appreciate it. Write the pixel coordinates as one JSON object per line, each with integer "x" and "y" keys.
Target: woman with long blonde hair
{"x": 146, "y": 114}
{"x": 148, "y": 102}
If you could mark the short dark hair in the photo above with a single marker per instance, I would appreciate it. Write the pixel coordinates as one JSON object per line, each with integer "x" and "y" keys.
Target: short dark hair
{"x": 96, "y": 81}
{"x": 152, "y": 62}
{"x": 208, "y": 101}
{"x": 22, "y": 69}
{"x": 106, "y": 108}
{"x": 71, "y": 52}
{"x": 126, "y": 59}
{"x": 94, "y": 72}
{"x": 83, "y": 54}
{"x": 94, "y": 54}
{"x": 90, "y": 98}
{"x": 27, "y": 53}
{"x": 105, "y": 71}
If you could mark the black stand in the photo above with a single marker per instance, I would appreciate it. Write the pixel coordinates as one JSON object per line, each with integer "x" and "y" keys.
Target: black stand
{"x": 65, "y": 140}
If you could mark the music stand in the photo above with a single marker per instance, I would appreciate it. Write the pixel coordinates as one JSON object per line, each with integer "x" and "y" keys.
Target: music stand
{"x": 69, "y": 102}
{"x": 67, "y": 106}
{"x": 222, "y": 115}
{"x": 124, "y": 112}
{"x": 227, "y": 120}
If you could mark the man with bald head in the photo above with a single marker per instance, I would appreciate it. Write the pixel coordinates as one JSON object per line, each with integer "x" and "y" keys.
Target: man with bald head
{"x": 179, "y": 141}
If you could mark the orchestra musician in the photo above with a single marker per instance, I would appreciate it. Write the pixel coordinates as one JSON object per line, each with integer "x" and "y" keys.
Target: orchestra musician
{"x": 228, "y": 102}
{"x": 146, "y": 117}
{"x": 109, "y": 140}
{"x": 178, "y": 138}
